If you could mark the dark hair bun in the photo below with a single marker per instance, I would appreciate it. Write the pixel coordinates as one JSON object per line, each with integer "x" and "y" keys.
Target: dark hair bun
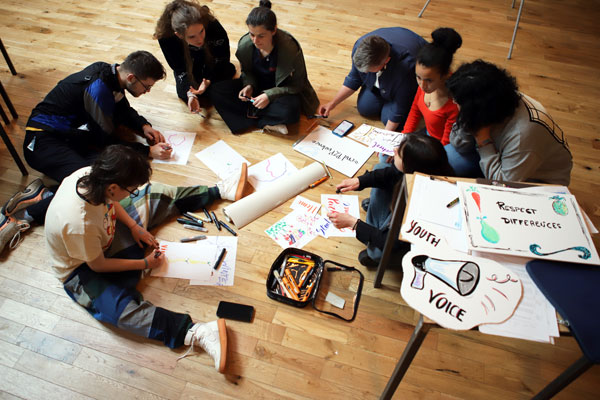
{"x": 446, "y": 38}
{"x": 264, "y": 3}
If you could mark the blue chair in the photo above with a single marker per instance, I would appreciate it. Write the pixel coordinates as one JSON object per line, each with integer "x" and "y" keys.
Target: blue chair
{"x": 573, "y": 291}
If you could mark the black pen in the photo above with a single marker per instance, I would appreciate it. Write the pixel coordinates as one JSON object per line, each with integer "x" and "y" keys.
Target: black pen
{"x": 189, "y": 222}
{"x": 228, "y": 228}
{"x": 215, "y": 220}
{"x": 207, "y": 214}
{"x": 316, "y": 116}
{"x": 220, "y": 259}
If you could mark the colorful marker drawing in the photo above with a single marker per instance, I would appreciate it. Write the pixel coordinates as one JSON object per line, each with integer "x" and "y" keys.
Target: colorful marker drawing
{"x": 585, "y": 252}
{"x": 270, "y": 170}
{"x": 559, "y": 205}
{"x": 487, "y": 231}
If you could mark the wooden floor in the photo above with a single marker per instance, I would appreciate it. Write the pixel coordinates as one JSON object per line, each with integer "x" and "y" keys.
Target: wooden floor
{"x": 50, "y": 348}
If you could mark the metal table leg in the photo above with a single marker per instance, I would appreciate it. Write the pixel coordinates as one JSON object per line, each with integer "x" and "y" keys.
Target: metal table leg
{"x": 564, "y": 379}
{"x": 512, "y": 42}
{"x": 401, "y": 195}
{"x": 413, "y": 345}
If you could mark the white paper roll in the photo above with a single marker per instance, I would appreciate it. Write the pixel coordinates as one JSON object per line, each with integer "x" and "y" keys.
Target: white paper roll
{"x": 246, "y": 210}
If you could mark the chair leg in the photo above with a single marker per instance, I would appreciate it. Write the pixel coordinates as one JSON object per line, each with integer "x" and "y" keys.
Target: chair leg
{"x": 4, "y": 116}
{"x": 564, "y": 379}
{"x": 423, "y": 9}
{"x": 13, "y": 151}
{"x": 9, "y": 104}
{"x": 7, "y": 58}
{"x": 512, "y": 42}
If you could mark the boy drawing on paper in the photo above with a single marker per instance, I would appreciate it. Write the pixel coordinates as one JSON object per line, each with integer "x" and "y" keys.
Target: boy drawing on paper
{"x": 96, "y": 228}
{"x": 417, "y": 153}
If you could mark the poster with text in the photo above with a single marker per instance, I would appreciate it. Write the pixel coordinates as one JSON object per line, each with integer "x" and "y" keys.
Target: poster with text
{"x": 526, "y": 223}
{"x": 342, "y": 154}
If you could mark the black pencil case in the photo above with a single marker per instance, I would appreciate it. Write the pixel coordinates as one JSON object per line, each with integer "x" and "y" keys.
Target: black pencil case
{"x": 335, "y": 288}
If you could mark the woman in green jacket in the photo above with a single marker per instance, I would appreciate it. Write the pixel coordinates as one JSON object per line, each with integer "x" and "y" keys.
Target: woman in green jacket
{"x": 273, "y": 87}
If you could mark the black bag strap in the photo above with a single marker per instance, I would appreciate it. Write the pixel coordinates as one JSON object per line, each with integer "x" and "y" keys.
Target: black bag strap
{"x": 342, "y": 267}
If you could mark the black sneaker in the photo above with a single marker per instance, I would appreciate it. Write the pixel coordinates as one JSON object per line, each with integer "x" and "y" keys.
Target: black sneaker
{"x": 364, "y": 259}
{"x": 365, "y": 203}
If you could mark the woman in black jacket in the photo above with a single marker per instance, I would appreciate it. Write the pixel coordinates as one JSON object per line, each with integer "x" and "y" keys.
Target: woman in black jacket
{"x": 196, "y": 47}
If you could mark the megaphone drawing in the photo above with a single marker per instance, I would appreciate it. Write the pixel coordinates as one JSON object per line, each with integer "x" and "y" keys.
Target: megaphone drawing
{"x": 461, "y": 276}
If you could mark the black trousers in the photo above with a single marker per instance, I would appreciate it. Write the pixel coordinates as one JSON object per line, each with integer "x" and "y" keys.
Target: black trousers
{"x": 58, "y": 156}
{"x": 242, "y": 115}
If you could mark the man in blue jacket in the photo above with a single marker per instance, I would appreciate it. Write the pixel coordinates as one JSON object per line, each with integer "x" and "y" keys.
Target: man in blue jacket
{"x": 383, "y": 67}
{"x": 76, "y": 120}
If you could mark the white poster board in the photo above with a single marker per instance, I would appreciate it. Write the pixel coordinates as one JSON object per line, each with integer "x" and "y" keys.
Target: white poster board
{"x": 221, "y": 159}
{"x": 342, "y": 154}
{"x": 526, "y": 223}
{"x": 269, "y": 171}
{"x": 380, "y": 140}
{"x": 181, "y": 143}
{"x": 456, "y": 290}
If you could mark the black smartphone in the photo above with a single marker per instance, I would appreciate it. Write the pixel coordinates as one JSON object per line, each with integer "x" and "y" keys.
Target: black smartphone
{"x": 343, "y": 128}
{"x": 235, "y": 311}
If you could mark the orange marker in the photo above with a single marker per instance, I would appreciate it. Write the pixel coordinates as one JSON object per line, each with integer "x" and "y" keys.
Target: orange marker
{"x": 287, "y": 285}
{"x": 292, "y": 281}
{"x": 304, "y": 275}
{"x": 316, "y": 183}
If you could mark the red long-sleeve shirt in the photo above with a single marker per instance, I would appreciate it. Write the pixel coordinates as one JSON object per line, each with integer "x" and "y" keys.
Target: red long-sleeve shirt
{"x": 438, "y": 122}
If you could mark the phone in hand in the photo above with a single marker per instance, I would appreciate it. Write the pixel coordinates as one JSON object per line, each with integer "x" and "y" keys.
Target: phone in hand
{"x": 235, "y": 311}
{"x": 344, "y": 127}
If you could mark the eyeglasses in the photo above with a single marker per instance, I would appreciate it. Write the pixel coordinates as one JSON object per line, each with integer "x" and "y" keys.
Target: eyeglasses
{"x": 132, "y": 193}
{"x": 146, "y": 88}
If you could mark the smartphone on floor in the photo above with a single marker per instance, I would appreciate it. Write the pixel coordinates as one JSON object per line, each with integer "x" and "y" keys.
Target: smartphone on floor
{"x": 235, "y": 311}
{"x": 344, "y": 127}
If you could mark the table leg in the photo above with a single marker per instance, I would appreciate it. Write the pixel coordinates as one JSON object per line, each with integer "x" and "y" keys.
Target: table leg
{"x": 564, "y": 379}
{"x": 400, "y": 193}
{"x": 409, "y": 353}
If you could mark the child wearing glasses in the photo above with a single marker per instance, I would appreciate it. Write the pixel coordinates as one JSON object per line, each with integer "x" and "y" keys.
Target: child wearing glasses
{"x": 96, "y": 229}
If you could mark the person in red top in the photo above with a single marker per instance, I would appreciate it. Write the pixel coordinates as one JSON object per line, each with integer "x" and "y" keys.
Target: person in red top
{"x": 432, "y": 101}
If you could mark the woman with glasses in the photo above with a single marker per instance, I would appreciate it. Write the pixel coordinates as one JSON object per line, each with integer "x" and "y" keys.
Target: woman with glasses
{"x": 96, "y": 230}
{"x": 196, "y": 47}
{"x": 273, "y": 88}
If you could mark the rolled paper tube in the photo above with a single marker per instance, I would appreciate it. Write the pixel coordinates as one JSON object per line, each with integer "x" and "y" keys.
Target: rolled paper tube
{"x": 246, "y": 210}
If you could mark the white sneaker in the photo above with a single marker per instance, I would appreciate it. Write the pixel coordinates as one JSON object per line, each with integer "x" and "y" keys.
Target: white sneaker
{"x": 232, "y": 188}
{"x": 281, "y": 128}
{"x": 212, "y": 337}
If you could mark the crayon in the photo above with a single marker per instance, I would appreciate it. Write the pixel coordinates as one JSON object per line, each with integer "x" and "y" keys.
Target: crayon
{"x": 318, "y": 182}
{"x": 452, "y": 203}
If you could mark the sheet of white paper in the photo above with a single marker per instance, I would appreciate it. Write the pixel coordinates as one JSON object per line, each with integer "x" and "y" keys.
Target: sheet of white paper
{"x": 302, "y": 203}
{"x": 184, "y": 261}
{"x": 341, "y": 203}
{"x": 294, "y": 230}
{"x": 182, "y": 143}
{"x": 195, "y": 261}
{"x": 221, "y": 159}
{"x": 428, "y": 201}
{"x": 342, "y": 154}
{"x": 380, "y": 140}
{"x": 534, "y": 318}
{"x": 225, "y": 274}
{"x": 269, "y": 171}
{"x": 526, "y": 223}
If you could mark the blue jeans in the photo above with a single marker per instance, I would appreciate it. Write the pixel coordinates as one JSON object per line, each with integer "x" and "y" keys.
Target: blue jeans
{"x": 465, "y": 165}
{"x": 372, "y": 105}
{"x": 379, "y": 214}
